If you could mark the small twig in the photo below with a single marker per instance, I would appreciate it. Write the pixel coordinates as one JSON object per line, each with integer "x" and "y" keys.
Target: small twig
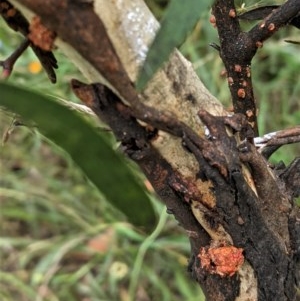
{"x": 16, "y": 21}
{"x": 262, "y": 12}
{"x": 236, "y": 51}
{"x": 8, "y": 64}
{"x": 292, "y": 42}
{"x": 7, "y": 133}
{"x": 277, "y": 19}
{"x": 270, "y": 142}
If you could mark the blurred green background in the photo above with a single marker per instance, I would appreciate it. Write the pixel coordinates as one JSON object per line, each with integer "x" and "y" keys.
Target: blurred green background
{"x": 59, "y": 238}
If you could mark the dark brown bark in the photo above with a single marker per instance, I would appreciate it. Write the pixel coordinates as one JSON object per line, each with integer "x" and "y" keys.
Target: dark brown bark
{"x": 136, "y": 143}
{"x": 254, "y": 223}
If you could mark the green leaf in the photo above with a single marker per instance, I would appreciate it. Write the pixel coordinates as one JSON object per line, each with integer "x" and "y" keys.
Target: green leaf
{"x": 179, "y": 20}
{"x": 89, "y": 149}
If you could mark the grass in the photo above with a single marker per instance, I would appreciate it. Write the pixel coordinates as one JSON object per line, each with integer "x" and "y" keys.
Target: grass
{"x": 60, "y": 240}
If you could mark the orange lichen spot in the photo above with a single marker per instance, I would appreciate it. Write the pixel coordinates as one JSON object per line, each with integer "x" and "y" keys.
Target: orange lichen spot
{"x": 41, "y": 36}
{"x": 271, "y": 27}
{"x": 248, "y": 71}
{"x": 237, "y": 68}
{"x": 232, "y": 13}
{"x": 11, "y": 12}
{"x": 241, "y": 93}
{"x": 262, "y": 25}
{"x": 244, "y": 83}
{"x": 212, "y": 20}
{"x": 223, "y": 260}
{"x": 230, "y": 80}
{"x": 259, "y": 44}
{"x": 34, "y": 67}
{"x": 249, "y": 113}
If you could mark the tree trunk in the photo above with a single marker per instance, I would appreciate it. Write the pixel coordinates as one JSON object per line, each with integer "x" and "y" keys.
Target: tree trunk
{"x": 239, "y": 214}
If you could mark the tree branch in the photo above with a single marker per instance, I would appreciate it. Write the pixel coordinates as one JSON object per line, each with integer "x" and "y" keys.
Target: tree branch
{"x": 275, "y": 20}
{"x": 18, "y": 22}
{"x": 8, "y": 63}
{"x": 255, "y": 224}
{"x": 100, "y": 61}
{"x": 135, "y": 140}
{"x": 262, "y": 12}
{"x": 237, "y": 49}
{"x": 270, "y": 142}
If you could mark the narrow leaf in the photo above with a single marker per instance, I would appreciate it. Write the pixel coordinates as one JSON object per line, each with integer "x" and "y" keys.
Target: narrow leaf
{"x": 179, "y": 20}
{"x": 89, "y": 149}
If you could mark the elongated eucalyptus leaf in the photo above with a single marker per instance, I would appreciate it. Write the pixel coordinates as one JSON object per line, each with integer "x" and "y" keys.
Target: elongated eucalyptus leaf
{"x": 180, "y": 18}
{"x": 89, "y": 149}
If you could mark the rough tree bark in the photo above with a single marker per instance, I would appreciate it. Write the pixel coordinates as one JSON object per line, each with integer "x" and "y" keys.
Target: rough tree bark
{"x": 238, "y": 212}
